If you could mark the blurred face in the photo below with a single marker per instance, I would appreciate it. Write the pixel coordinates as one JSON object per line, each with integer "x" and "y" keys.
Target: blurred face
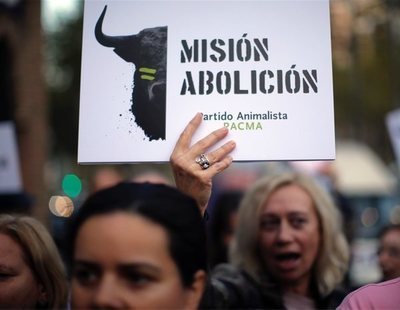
{"x": 289, "y": 236}
{"x": 389, "y": 254}
{"x": 123, "y": 261}
{"x": 18, "y": 286}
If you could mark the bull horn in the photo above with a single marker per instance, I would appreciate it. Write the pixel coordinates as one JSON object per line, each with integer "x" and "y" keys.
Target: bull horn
{"x": 103, "y": 39}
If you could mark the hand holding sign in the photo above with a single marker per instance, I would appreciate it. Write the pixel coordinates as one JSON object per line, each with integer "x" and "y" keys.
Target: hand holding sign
{"x": 191, "y": 175}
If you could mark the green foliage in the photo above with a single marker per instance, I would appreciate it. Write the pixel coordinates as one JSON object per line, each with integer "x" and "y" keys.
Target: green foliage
{"x": 368, "y": 89}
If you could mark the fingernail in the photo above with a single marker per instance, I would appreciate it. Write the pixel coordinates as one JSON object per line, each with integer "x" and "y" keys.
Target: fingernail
{"x": 198, "y": 115}
{"x": 224, "y": 129}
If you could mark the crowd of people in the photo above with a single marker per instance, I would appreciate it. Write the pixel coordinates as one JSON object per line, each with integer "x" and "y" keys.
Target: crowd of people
{"x": 281, "y": 245}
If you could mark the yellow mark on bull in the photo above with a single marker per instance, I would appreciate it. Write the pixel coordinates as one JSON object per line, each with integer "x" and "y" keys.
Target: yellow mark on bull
{"x": 147, "y": 77}
{"x": 149, "y": 71}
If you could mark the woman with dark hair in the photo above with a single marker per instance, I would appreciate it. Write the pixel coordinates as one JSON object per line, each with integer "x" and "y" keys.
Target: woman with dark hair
{"x": 137, "y": 246}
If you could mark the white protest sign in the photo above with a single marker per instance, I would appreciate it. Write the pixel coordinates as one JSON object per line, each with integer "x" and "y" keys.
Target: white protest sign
{"x": 10, "y": 180}
{"x": 261, "y": 68}
{"x": 393, "y": 127}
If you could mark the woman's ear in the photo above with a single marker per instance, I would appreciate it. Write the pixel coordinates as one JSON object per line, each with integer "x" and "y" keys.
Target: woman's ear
{"x": 196, "y": 290}
{"x": 42, "y": 298}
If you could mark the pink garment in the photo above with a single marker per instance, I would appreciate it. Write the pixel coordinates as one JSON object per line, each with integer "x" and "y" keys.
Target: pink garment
{"x": 379, "y": 296}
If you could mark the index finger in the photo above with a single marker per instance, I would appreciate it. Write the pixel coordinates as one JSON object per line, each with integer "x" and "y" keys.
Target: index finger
{"x": 186, "y": 136}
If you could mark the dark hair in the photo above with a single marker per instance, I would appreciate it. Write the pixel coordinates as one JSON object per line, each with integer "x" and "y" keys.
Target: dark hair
{"x": 177, "y": 213}
{"x": 227, "y": 203}
{"x": 387, "y": 229}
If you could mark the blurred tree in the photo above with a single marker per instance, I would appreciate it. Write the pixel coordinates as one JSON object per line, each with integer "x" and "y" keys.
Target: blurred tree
{"x": 368, "y": 88}
{"x": 23, "y": 98}
{"x": 64, "y": 47}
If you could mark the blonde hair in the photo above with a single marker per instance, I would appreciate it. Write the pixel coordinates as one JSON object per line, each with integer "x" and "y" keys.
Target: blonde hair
{"x": 332, "y": 261}
{"x": 41, "y": 254}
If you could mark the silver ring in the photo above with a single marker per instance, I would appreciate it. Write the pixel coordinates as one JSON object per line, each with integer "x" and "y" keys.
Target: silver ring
{"x": 203, "y": 161}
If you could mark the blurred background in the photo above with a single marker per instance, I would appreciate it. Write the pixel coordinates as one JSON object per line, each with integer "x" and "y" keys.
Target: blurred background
{"x": 40, "y": 60}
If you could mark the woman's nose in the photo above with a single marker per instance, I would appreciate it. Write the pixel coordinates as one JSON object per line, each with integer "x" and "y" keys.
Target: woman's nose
{"x": 284, "y": 233}
{"x": 106, "y": 295}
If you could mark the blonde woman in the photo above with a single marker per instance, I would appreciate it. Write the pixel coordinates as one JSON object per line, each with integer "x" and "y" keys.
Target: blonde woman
{"x": 32, "y": 274}
{"x": 289, "y": 250}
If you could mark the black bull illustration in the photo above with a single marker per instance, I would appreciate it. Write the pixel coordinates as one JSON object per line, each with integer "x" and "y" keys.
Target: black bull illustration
{"x": 147, "y": 50}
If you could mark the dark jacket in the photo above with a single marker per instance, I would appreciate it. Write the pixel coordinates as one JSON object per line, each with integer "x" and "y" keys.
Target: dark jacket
{"x": 232, "y": 288}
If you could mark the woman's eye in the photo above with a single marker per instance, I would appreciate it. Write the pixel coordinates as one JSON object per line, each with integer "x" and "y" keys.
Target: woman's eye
{"x": 138, "y": 279}
{"x": 298, "y": 222}
{"x": 391, "y": 251}
{"x": 5, "y": 276}
{"x": 269, "y": 224}
{"x": 86, "y": 276}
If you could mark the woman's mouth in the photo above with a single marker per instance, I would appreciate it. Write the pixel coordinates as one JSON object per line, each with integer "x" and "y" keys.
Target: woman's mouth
{"x": 287, "y": 261}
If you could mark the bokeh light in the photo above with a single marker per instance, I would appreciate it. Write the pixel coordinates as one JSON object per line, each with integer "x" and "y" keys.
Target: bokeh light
{"x": 61, "y": 206}
{"x": 369, "y": 216}
{"x": 71, "y": 185}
